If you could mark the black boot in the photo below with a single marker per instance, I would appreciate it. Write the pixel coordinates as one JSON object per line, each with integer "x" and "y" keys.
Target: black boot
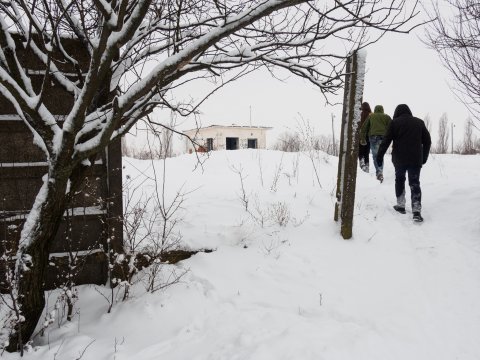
{"x": 417, "y": 217}
{"x": 380, "y": 177}
{"x": 400, "y": 209}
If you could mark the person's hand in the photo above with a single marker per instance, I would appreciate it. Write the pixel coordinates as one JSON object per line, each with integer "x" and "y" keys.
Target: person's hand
{"x": 379, "y": 161}
{"x": 363, "y": 142}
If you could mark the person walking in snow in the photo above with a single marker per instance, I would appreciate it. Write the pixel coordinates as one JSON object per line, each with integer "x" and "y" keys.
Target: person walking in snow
{"x": 374, "y": 129}
{"x": 364, "y": 150}
{"x": 410, "y": 150}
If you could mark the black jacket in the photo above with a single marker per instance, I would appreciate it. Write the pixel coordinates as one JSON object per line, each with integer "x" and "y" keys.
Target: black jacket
{"x": 411, "y": 139}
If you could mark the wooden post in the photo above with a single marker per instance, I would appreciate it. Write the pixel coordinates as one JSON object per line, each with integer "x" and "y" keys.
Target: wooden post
{"x": 342, "y": 149}
{"x": 348, "y": 156}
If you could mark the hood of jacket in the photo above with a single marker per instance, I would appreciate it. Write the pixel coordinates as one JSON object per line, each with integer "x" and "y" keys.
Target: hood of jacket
{"x": 402, "y": 109}
{"x": 378, "y": 109}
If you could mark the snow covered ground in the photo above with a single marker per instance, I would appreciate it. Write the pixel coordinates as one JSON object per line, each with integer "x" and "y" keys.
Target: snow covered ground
{"x": 294, "y": 289}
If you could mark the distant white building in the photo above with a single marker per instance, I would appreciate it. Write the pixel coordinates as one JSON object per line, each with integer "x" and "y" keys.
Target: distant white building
{"x": 234, "y": 137}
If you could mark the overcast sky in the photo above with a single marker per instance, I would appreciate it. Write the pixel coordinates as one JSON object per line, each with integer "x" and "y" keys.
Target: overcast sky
{"x": 399, "y": 69}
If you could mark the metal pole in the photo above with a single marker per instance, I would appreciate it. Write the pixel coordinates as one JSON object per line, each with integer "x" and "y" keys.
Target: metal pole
{"x": 250, "y": 115}
{"x": 334, "y": 152}
{"x": 452, "y": 135}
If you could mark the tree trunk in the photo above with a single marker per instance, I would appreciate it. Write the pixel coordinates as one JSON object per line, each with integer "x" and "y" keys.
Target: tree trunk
{"x": 30, "y": 281}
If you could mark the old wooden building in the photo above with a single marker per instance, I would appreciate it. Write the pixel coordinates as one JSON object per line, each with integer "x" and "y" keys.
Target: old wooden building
{"x": 80, "y": 246}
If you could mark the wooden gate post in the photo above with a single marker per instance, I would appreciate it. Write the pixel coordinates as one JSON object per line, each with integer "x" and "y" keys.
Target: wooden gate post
{"x": 348, "y": 156}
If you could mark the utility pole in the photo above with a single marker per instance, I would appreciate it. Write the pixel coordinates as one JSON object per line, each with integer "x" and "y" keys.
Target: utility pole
{"x": 452, "y": 135}
{"x": 334, "y": 152}
{"x": 250, "y": 115}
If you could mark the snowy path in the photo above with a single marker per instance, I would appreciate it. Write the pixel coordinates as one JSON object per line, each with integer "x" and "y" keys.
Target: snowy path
{"x": 445, "y": 253}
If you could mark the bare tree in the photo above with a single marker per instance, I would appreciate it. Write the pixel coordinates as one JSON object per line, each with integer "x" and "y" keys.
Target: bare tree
{"x": 139, "y": 53}
{"x": 297, "y": 141}
{"x": 455, "y": 34}
{"x": 443, "y": 135}
{"x": 428, "y": 122}
{"x": 166, "y": 139}
{"x": 468, "y": 146}
{"x": 288, "y": 142}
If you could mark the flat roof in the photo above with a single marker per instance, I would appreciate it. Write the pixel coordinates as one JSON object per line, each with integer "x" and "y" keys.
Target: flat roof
{"x": 231, "y": 126}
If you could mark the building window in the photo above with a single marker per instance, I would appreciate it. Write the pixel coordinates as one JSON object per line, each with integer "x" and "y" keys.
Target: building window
{"x": 209, "y": 144}
{"x": 252, "y": 144}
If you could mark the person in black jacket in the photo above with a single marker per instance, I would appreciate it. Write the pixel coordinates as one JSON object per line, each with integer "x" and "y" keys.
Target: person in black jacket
{"x": 411, "y": 146}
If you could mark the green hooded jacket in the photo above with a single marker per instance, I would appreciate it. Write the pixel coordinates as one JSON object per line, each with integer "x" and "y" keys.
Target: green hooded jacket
{"x": 376, "y": 123}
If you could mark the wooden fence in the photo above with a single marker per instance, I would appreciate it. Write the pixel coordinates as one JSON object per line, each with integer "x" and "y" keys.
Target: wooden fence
{"x": 95, "y": 214}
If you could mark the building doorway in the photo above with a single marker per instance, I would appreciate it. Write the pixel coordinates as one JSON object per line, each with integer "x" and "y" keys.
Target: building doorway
{"x": 252, "y": 144}
{"x": 231, "y": 143}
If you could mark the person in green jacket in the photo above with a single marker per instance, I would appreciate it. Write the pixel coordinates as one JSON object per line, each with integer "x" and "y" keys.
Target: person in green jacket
{"x": 374, "y": 129}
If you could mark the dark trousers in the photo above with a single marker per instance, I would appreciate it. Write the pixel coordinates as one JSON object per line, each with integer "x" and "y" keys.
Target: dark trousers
{"x": 413, "y": 182}
{"x": 364, "y": 153}
{"x": 375, "y": 141}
